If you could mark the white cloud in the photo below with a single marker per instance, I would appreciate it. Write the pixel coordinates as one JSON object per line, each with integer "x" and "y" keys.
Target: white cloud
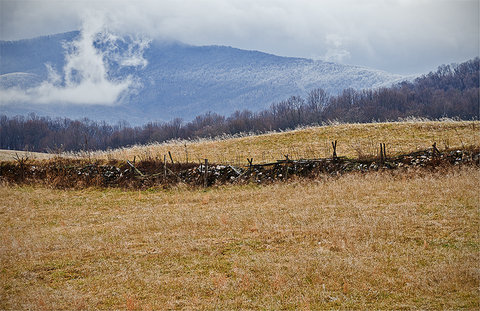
{"x": 336, "y": 52}
{"x": 86, "y": 76}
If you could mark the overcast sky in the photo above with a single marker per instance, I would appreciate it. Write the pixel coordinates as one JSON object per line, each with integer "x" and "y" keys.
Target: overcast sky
{"x": 399, "y": 36}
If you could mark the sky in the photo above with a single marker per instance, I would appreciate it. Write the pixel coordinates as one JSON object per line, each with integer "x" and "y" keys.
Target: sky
{"x": 399, "y": 36}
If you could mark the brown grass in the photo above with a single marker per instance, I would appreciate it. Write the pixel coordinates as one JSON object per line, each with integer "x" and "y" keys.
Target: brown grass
{"x": 354, "y": 140}
{"x": 384, "y": 240}
{"x": 10, "y": 155}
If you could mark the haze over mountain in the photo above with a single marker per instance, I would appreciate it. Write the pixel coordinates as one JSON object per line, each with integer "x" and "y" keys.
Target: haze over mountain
{"x": 104, "y": 77}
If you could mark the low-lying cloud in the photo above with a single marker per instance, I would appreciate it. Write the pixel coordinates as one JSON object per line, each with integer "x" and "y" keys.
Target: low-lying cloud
{"x": 91, "y": 63}
{"x": 336, "y": 51}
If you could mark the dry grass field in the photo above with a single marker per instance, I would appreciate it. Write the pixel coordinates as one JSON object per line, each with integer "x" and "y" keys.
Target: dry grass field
{"x": 403, "y": 239}
{"x": 374, "y": 241}
{"x": 354, "y": 140}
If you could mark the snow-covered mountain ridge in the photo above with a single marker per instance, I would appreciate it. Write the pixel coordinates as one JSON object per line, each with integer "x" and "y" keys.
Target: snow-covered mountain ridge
{"x": 179, "y": 80}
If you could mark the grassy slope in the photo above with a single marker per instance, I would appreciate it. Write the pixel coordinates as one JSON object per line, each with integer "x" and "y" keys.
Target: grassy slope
{"x": 374, "y": 241}
{"x": 353, "y": 140}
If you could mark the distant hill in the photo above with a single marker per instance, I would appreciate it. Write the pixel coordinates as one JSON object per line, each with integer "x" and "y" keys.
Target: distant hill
{"x": 181, "y": 81}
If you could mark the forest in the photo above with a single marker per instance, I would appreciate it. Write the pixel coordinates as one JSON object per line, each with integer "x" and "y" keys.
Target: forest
{"x": 450, "y": 92}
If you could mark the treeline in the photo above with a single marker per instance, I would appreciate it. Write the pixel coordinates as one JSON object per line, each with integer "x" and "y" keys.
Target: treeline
{"x": 451, "y": 91}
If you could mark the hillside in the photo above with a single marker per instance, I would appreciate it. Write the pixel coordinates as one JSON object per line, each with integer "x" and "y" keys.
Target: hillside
{"x": 179, "y": 81}
{"x": 354, "y": 140}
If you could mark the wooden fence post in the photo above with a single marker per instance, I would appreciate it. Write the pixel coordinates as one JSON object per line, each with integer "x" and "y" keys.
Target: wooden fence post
{"x": 286, "y": 166}
{"x": 435, "y": 150}
{"x": 381, "y": 153}
{"x": 250, "y": 162}
{"x": 86, "y": 145}
{"x": 164, "y": 167}
{"x": 334, "y": 145}
{"x": 205, "y": 181}
{"x": 170, "y": 154}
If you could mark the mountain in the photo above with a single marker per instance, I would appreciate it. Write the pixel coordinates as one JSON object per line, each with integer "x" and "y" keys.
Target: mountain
{"x": 179, "y": 80}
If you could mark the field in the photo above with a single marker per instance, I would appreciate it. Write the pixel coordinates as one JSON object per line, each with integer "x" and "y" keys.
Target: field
{"x": 401, "y": 239}
{"x": 354, "y": 140}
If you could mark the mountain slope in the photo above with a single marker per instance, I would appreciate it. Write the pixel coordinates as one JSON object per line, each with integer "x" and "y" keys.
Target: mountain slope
{"x": 179, "y": 80}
